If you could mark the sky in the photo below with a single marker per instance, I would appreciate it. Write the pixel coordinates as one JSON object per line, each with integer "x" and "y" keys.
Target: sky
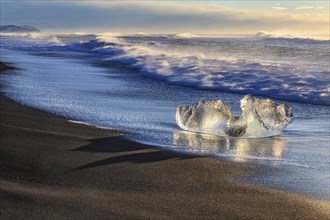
{"x": 197, "y": 17}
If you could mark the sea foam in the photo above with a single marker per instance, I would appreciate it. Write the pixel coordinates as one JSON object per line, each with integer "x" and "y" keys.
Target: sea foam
{"x": 280, "y": 67}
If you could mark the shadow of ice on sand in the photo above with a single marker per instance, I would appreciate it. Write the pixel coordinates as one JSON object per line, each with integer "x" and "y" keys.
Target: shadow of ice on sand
{"x": 125, "y": 151}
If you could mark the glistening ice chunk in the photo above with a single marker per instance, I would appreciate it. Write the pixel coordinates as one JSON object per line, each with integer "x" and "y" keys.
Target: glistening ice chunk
{"x": 259, "y": 118}
{"x": 207, "y": 116}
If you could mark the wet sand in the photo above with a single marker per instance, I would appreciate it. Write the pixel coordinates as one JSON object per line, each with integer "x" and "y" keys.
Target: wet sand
{"x": 52, "y": 168}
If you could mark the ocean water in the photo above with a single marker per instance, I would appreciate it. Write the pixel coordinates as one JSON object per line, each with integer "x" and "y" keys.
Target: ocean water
{"x": 288, "y": 68}
{"x": 135, "y": 83}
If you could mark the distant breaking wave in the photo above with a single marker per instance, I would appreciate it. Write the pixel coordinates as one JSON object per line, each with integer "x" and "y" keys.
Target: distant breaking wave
{"x": 281, "y": 67}
{"x": 182, "y": 35}
{"x": 269, "y": 36}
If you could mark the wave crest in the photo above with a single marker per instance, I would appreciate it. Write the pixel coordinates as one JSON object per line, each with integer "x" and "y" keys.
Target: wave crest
{"x": 263, "y": 35}
{"x": 184, "y": 35}
{"x": 110, "y": 38}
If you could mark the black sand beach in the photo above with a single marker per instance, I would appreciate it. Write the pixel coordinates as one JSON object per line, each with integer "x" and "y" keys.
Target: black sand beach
{"x": 51, "y": 168}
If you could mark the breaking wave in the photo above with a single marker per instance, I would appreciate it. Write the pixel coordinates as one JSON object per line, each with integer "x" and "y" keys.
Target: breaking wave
{"x": 277, "y": 37}
{"x": 182, "y": 35}
{"x": 281, "y": 67}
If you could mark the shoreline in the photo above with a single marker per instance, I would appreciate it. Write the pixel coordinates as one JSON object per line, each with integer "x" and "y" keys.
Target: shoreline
{"x": 51, "y": 167}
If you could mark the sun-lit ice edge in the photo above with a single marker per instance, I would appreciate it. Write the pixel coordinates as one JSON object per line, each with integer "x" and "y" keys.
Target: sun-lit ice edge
{"x": 259, "y": 118}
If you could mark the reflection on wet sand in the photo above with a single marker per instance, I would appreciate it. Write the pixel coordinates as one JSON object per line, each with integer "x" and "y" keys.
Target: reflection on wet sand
{"x": 239, "y": 149}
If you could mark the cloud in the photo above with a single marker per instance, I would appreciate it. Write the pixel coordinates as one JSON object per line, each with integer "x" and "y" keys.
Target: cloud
{"x": 278, "y": 8}
{"x": 308, "y": 7}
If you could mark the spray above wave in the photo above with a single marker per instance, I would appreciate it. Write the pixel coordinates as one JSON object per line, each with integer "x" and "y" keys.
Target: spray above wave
{"x": 295, "y": 70}
{"x": 182, "y": 35}
{"x": 263, "y": 35}
{"x": 259, "y": 118}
